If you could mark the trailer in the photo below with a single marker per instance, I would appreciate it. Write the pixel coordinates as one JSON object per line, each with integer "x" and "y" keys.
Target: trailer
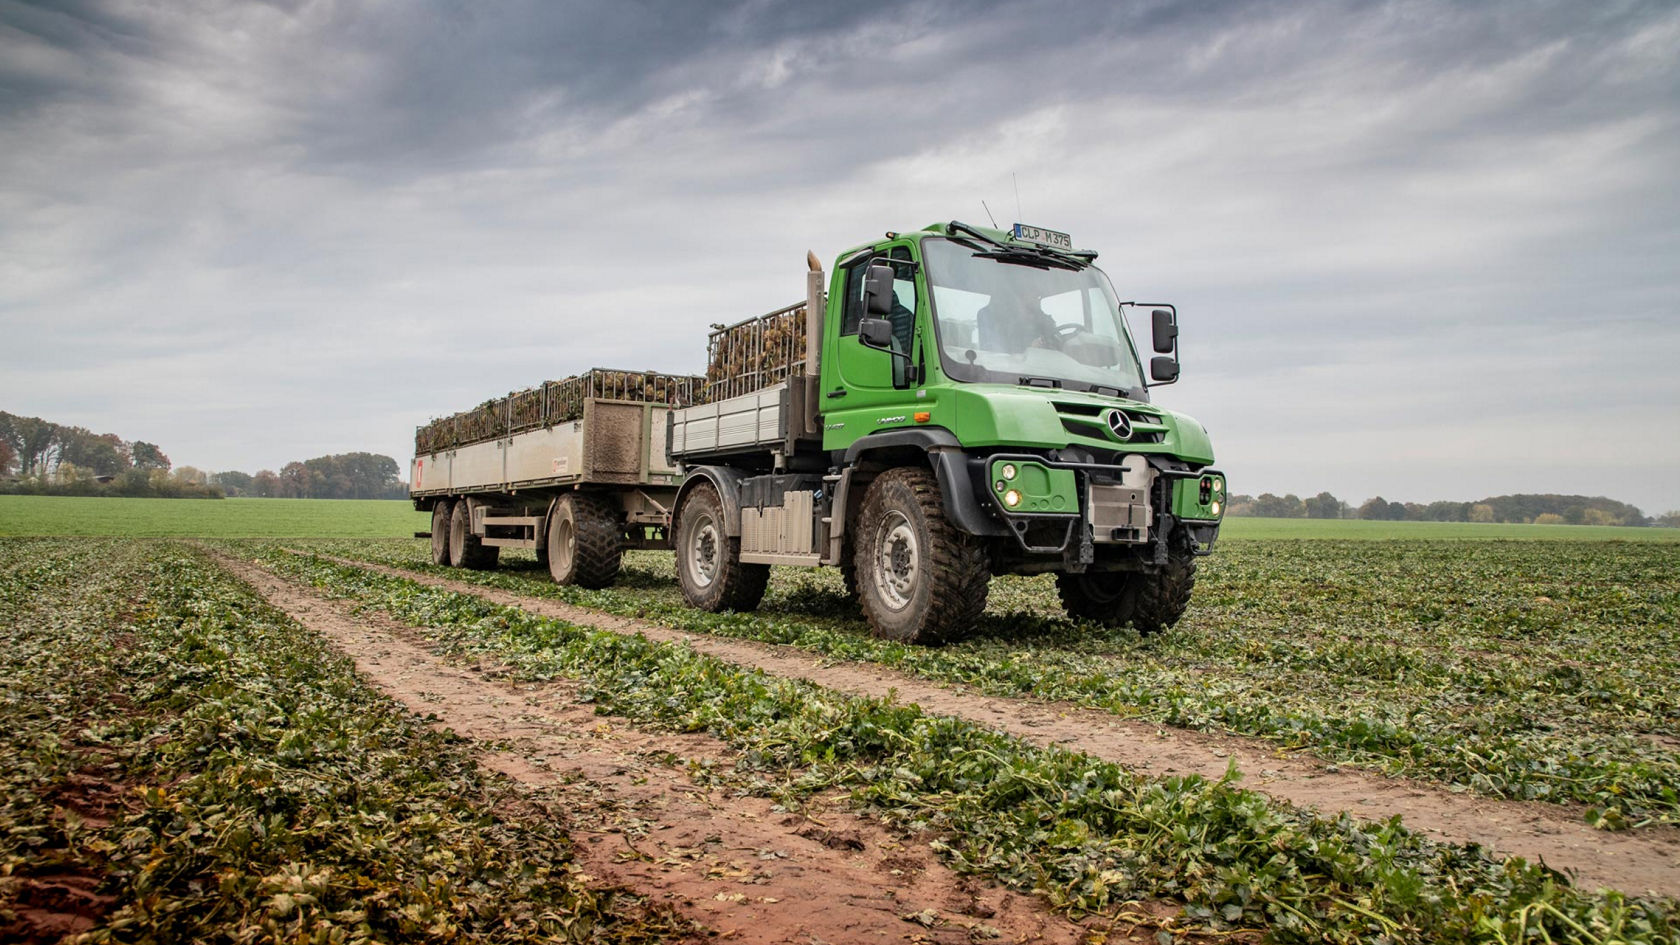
{"x": 576, "y": 471}
{"x": 951, "y": 403}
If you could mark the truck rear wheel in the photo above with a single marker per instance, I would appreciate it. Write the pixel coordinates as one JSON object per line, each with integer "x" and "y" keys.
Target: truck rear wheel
{"x": 1104, "y": 597}
{"x": 919, "y": 579}
{"x": 1164, "y": 594}
{"x": 440, "y": 533}
{"x": 709, "y": 564}
{"x": 585, "y": 544}
{"x": 465, "y": 548}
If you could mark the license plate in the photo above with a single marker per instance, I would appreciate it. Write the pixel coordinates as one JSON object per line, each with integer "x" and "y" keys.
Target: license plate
{"x": 1043, "y": 237}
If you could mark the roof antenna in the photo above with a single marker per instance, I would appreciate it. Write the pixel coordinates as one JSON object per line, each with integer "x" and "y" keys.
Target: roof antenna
{"x": 1018, "y": 214}
{"x": 989, "y": 214}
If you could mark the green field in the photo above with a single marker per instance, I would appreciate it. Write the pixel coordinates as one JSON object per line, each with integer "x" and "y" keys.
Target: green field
{"x": 369, "y": 518}
{"x": 209, "y": 518}
{"x": 1359, "y": 530}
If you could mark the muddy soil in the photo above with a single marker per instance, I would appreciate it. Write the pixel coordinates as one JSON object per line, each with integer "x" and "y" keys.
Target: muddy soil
{"x": 739, "y": 865}
{"x": 1642, "y": 862}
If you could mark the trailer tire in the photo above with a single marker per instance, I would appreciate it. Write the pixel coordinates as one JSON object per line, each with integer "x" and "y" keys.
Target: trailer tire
{"x": 465, "y": 548}
{"x": 440, "y": 533}
{"x": 1108, "y": 598}
{"x": 709, "y": 564}
{"x": 1164, "y": 594}
{"x": 920, "y": 579}
{"x": 585, "y": 544}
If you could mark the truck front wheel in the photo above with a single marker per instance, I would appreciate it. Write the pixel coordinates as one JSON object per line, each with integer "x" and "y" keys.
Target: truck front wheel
{"x": 440, "y": 534}
{"x": 709, "y": 564}
{"x": 1108, "y": 598}
{"x": 585, "y": 543}
{"x": 919, "y": 578}
{"x": 465, "y": 549}
{"x": 1164, "y": 594}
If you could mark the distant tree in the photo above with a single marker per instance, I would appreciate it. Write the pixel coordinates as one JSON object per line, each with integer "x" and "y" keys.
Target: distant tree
{"x": 1374, "y": 509}
{"x": 1670, "y": 519}
{"x": 148, "y": 457}
{"x": 1274, "y": 506}
{"x": 8, "y": 456}
{"x": 1324, "y": 505}
{"x": 1549, "y": 518}
{"x": 1481, "y": 512}
{"x": 265, "y": 484}
{"x": 104, "y": 454}
{"x": 1447, "y": 512}
{"x": 1240, "y": 505}
{"x": 191, "y": 475}
{"x": 233, "y": 482}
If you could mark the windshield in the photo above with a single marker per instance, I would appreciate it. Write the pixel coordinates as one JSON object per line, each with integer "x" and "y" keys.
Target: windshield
{"x": 1011, "y": 323}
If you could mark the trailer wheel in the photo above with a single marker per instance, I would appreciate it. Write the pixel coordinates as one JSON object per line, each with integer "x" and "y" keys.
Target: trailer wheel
{"x": 920, "y": 579}
{"x": 1103, "y": 597}
{"x": 440, "y": 533}
{"x": 585, "y": 543}
{"x": 1164, "y": 594}
{"x": 465, "y": 548}
{"x": 709, "y": 564}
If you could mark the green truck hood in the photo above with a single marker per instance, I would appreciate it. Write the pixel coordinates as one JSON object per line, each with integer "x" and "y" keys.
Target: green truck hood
{"x": 1002, "y": 415}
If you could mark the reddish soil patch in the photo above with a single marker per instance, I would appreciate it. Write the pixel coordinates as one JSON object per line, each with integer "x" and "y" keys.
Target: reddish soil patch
{"x": 740, "y": 865}
{"x": 49, "y": 907}
{"x": 1640, "y": 862}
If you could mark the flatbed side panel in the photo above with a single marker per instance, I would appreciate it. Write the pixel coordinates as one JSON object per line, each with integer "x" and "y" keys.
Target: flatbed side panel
{"x": 478, "y": 466}
{"x": 616, "y": 443}
{"x": 552, "y": 454}
{"x": 758, "y": 419}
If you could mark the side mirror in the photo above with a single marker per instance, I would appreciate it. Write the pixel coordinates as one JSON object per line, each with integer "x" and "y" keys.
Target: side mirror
{"x": 875, "y": 333}
{"x": 1165, "y": 331}
{"x": 1163, "y": 370}
{"x": 878, "y": 289}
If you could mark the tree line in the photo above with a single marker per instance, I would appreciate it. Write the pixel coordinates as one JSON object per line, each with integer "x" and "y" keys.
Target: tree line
{"x": 39, "y": 457}
{"x": 1522, "y": 508}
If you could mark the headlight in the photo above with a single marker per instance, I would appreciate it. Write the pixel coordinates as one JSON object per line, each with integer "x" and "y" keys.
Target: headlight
{"x": 1216, "y": 507}
{"x": 1009, "y": 470}
{"x": 1012, "y": 498}
{"x": 999, "y": 485}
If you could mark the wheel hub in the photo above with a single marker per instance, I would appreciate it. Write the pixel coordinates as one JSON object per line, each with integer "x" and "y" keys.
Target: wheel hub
{"x": 898, "y": 563}
{"x": 703, "y": 553}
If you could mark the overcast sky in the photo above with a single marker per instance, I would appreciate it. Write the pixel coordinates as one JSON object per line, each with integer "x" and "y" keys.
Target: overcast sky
{"x": 1422, "y": 250}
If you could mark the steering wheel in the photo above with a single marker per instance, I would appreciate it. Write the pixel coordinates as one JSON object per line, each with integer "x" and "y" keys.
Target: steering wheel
{"x": 1064, "y": 332}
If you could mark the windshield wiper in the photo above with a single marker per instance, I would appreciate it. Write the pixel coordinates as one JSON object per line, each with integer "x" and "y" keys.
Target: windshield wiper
{"x": 1023, "y": 257}
{"x": 1049, "y": 382}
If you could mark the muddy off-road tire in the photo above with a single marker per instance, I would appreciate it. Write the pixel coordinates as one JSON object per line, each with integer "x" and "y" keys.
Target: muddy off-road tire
{"x": 1164, "y": 593}
{"x": 440, "y": 533}
{"x": 919, "y": 578}
{"x": 709, "y": 564}
{"x": 585, "y": 542}
{"x": 1108, "y": 598}
{"x": 465, "y": 549}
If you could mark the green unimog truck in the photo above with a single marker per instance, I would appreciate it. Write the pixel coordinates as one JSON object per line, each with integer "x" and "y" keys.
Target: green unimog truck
{"x": 953, "y": 403}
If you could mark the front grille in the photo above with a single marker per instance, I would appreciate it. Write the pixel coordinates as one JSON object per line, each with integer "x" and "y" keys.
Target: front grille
{"x": 1087, "y": 420}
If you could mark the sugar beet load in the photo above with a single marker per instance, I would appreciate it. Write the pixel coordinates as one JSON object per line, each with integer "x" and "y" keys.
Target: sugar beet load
{"x": 952, "y": 403}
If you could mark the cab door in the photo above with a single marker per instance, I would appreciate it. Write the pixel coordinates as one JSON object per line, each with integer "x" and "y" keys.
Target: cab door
{"x": 863, "y": 385}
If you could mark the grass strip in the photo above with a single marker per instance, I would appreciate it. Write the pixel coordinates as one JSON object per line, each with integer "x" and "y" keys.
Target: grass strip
{"x": 1087, "y": 834}
{"x": 1471, "y": 671}
{"x": 185, "y": 763}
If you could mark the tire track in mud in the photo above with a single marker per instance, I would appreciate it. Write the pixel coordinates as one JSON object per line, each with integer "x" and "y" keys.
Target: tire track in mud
{"x": 734, "y": 863}
{"x": 1642, "y": 863}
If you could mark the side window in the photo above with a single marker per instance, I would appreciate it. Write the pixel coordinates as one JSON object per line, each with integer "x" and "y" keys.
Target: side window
{"x": 853, "y": 312}
{"x": 903, "y": 315}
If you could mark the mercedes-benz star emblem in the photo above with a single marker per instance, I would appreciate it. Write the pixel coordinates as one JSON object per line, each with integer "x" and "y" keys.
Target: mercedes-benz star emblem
{"x": 1119, "y": 424}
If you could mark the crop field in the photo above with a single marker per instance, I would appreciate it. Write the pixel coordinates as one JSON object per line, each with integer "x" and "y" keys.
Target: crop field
{"x": 196, "y": 758}
{"x": 209, "y": 518}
